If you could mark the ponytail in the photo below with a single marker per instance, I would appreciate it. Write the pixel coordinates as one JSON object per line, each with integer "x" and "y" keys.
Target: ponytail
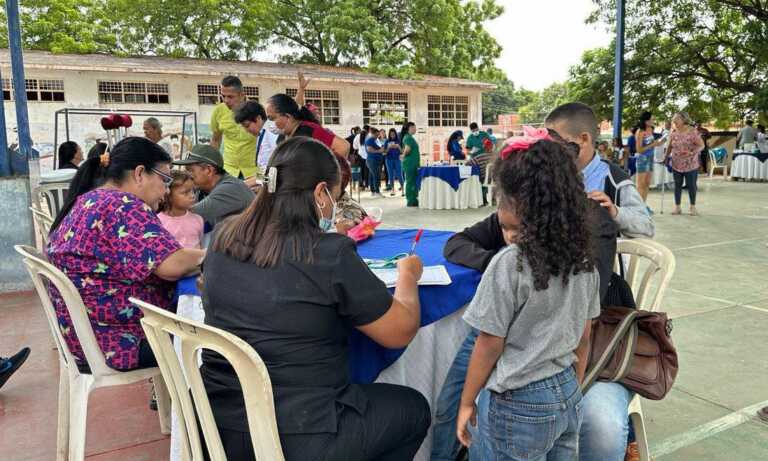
{"x": 286, "y": 105}
{"x": 85, "y": 179}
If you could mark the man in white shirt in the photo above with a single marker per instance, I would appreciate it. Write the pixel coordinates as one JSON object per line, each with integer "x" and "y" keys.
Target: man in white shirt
{"x": 253, "y": 118}
{"x": 359, "y": 144}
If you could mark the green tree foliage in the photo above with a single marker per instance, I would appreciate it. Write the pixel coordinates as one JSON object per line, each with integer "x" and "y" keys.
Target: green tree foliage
{"x": 704, "y": 56}
{"x": 392, "y": 37}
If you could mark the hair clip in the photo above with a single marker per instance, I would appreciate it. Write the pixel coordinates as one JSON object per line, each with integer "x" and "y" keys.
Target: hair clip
{"x": 104, "y": 159}
{"x": 530, "y": 137}
{"x": 272, "y": 180}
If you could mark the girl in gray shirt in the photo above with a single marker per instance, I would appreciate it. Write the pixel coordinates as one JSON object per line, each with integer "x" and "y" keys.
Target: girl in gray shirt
{"x": 533, "y": 307}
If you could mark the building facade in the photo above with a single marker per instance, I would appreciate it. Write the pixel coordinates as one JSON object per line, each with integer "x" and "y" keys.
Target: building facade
{"x": 346, "y": 97}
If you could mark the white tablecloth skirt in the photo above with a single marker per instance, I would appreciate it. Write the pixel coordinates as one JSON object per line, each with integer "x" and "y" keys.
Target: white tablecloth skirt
{"x": 661, "y": 174}
{"x": 423, "y": 366}
{"x": 748, "y": 167}
{"x": 436, "y": 194}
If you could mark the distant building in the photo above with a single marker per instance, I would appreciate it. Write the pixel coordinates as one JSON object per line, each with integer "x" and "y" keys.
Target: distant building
{"x": 346, "y": 97}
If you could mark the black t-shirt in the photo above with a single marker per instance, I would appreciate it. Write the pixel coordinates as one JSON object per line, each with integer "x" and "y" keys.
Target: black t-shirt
{"x": 297, "y": 316}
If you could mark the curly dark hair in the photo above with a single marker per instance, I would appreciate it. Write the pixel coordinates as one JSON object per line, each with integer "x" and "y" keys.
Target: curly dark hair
{"x": 544, "y": 188}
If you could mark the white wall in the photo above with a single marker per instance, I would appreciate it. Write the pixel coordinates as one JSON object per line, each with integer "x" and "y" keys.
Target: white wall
{"x": 81, "y": 92}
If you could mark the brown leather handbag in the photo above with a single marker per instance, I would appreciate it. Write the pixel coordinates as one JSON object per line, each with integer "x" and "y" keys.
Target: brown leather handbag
{"x": 632, "y": 347}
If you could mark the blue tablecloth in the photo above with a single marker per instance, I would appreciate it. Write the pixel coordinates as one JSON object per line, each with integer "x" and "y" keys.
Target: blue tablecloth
{"x": 447, "y": 173}
{"x": 368, "y": 359}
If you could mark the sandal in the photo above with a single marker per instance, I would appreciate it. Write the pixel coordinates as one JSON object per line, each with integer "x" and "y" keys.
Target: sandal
{"x": 693, "y": 212}
{"x": 677, "y": 211}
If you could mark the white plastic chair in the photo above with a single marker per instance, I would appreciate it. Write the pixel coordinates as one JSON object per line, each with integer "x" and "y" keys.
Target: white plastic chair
{"x": 660, "y": 265}
{"x": 713, "y": 165}
{"x": 488, "y": 183}
{"x": 184, "y": 379}
{"x": 43, "y": 223}
{"x": 74, "y": 386}
{"x": 51, "y": 196}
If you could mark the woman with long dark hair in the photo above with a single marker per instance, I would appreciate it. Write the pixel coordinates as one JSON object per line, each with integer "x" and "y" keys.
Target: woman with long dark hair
{"x": 454, "y": 147}
{"x": 411, "y": 162}
{"x": 645, "y": 143}
{"x": 70, "y": 155}
{"x": 277, "y": 279}
{"x": 110, "y": 243}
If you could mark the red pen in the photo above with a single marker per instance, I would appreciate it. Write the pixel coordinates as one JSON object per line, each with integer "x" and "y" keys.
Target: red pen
{"x": 415, "y": 241}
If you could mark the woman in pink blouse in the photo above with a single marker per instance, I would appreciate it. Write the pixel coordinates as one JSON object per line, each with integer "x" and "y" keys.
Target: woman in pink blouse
{"x": 685, "y": 144}
{"x": 112, "y": 246}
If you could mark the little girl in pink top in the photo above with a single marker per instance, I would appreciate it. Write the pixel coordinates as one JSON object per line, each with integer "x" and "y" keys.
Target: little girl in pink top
{"x": 174, "y": 212}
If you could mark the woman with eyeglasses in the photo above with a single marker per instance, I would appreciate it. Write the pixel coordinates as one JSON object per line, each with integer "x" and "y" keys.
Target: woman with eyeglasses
{"x": 111, "y": 244}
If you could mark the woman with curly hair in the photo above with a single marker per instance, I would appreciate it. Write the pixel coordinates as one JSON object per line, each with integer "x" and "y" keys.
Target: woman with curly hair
{"x": 533, "y": 307}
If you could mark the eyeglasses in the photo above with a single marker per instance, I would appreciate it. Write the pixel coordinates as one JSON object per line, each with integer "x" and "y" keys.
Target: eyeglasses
{"x": 167, "y": 179}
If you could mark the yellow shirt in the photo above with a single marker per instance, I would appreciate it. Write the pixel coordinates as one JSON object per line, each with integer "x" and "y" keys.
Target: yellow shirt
{"x": 239, "y": 145}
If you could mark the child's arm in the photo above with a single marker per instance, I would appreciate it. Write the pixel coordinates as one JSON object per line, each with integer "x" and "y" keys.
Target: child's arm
{"x": 582, "y": 351}
{"x": 486, "y": 353}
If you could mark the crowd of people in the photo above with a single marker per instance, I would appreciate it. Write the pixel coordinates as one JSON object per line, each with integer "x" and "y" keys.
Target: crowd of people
{"x": 268, "y": 226}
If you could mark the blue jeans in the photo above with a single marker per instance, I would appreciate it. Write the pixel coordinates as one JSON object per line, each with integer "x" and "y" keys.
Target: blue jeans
{"x": 374, "y": 162}
{"x": 537, "y": 422}
{"x": 606, "y": 423}
{"x": 394, "y": 171}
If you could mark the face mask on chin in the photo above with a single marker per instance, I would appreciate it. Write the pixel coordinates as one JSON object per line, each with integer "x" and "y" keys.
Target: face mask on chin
{"x": 270, "y": 126}
{"x": 326, "y": 224}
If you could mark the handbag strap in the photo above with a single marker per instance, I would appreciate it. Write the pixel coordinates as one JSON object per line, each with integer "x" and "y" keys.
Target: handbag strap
{"x": 624, "y": 327}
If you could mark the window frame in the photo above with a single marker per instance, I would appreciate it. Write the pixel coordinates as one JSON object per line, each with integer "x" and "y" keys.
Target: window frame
{"x": 329, "y": 114}
{"x": 133, "y": 92}
{"x": 386, "y": 102}
{"x": 447, "y": 110}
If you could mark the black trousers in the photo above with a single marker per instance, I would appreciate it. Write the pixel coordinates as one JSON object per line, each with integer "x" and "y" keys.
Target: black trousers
{"x": 392, "y": 429}
{"x": 690, "y": 179}
{"x": 146, "y": 358}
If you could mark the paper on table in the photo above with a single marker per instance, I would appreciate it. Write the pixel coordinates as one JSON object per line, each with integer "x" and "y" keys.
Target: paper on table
{"x": 465, "y": 171}
{"x": 432, "y": 275}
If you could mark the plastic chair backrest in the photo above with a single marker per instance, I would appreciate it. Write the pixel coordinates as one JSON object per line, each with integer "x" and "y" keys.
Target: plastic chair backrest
{"x": 183, "y": 379}
{"x": 53, "y": 195}
{"x": 45, "y": 274}
{"x": 43, "y": 223}
{"x": 661, "y": 262}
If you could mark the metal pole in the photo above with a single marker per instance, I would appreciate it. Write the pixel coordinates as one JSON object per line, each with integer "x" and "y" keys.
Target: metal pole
{"x": 5, "y": 161}
{"x": 20, "y": 91}
{"x": 618, "y": 83}
{"x": 56, "y": 140}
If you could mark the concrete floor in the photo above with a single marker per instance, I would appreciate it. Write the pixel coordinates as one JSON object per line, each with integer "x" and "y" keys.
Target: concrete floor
{"x": 718, "y": 300}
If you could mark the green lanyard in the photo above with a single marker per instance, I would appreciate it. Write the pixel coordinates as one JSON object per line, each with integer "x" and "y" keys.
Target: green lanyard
{"x": 388, "y": 263}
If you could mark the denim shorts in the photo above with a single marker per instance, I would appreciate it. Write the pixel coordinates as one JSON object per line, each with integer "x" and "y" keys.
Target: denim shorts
{"x": 537, "y": 421}
{"x": 644, "y": 162}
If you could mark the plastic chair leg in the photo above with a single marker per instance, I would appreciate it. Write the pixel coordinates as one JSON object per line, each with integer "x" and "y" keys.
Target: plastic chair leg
{"x": 640, "y": 435}
{"x": 79, "y": 391}
{"x": 62, "y": 435}
{"x": 163, "y": 404}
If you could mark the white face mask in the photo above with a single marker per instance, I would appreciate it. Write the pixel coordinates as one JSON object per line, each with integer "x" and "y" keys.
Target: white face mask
{"x": 326, "y": 224}
{"x": 270, "y": 126}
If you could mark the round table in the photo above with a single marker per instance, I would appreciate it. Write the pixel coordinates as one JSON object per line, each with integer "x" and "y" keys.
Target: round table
{"x": 424, "y": 364}
{"x": 448, "y": 187}
{"x": 749, "y": 166}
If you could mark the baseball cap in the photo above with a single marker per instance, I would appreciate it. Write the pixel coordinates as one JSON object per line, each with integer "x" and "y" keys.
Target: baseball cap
{"x": 202, "y": 153}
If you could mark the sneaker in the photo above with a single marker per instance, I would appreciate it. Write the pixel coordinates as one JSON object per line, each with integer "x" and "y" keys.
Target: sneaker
{"x": 8, "y": 366}
{"x": 392, "y": 194}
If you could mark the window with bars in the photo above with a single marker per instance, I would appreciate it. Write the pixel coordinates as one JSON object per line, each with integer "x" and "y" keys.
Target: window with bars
{"x": 210, "y": 95}
{"x": 112, "y": 92}
{"x": 383, "y": 108}
{"x": 448, "y": 110}
{"x": 327, "y": 101}
{"x": 37, "y": 90}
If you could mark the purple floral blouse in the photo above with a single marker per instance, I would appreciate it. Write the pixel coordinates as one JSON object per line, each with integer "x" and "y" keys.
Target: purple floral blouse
{"x": 108, "y": 245}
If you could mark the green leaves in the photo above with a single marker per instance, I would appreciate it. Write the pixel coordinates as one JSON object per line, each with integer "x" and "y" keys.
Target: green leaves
{"x": 394, "y": 37}
{"x": 706, "y": 57}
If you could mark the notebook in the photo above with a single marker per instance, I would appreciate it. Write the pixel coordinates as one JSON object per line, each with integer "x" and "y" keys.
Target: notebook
{"x": 433, "y": 275}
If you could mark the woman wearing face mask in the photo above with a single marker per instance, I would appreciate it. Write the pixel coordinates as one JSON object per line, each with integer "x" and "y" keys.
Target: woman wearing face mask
{"x": 279, "y": 281}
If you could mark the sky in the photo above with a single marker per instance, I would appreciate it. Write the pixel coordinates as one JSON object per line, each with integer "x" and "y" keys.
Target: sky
{"x": 541, "y": 39}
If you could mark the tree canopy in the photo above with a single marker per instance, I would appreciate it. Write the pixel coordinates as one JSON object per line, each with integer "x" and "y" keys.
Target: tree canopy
{"x": 391, "y": 37}
{"x": 704, "y": 56}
